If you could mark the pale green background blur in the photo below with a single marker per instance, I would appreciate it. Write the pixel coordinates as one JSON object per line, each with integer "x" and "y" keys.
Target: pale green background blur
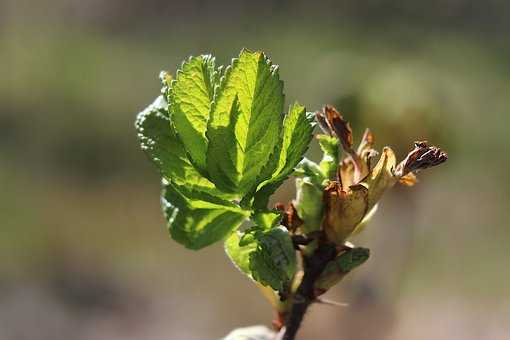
{"x": 84, "y": 253}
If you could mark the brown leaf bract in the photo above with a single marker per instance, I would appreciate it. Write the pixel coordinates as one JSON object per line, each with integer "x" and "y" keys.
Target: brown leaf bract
{"x": 421, "y": 157}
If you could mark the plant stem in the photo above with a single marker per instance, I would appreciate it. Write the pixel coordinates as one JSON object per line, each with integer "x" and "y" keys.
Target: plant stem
{"x": 313, "y": 266}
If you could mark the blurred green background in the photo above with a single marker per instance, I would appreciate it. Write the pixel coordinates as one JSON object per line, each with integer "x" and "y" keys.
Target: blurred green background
{"x": 84, "y": 253}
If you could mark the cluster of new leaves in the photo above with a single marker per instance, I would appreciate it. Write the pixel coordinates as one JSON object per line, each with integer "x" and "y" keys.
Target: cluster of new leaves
{"x": 223, "y": 145}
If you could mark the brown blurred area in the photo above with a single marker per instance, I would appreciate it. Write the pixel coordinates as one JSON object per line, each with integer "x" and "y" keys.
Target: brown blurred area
{"x": 84, "y": 253}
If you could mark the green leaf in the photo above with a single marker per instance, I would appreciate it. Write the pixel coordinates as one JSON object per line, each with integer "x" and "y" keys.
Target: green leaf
{"x": 239, "y": 255}
{"x": 297, "y": 134}
{"x": 245, "y": 122}
{"x": 309, "y": 204}
{"x": 190, "y": 98}
{"x": 267, "y": 219}
{"x": 336, "y": 269}
{"x": 351, "y": 259}
{"x": 330, "y": 148}
{"x": 310, "y": 169}
{"x": 298, "y": 128}
{"x": 159, "y": 141}
{"x": 273, "y": 262}
{"x": 265, "y": 255}
{"x": 197, "y": 220}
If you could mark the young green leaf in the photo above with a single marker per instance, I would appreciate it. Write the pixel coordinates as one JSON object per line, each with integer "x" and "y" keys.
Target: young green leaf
{"x": 159, "y": 141}
{"x": 197, "y": 220}
{"x": 273, "y": 262}
{"x": 239, "y": 255}
{"x": 297, "y": 133}
{"x": 190, "y": 96}
{"x": 267, "y": 219}
{"x": 330, "y": 148}
{"x": 245, "y": 122}
{"x": 265, "y": 255}
{"x": 341, "y": 266}
{"x": 312, "y": 170}
{"x": 298, "y": 128}
{"x": 309, "y": 204}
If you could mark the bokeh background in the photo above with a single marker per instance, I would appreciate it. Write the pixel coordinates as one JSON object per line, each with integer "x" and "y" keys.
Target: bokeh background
{"x": 84, "y": 253}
